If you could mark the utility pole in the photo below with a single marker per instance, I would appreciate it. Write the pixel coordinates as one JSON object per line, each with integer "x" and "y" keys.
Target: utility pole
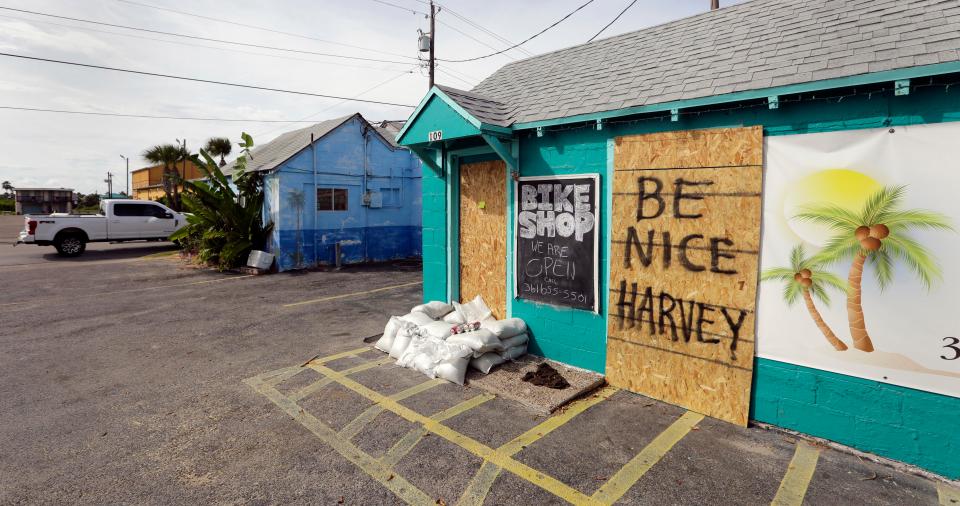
{"x": 109, "y": 181}
{"x": 433, "y": 39}
{"x": 128, "y": 174}
{"x": 714, "y": 4}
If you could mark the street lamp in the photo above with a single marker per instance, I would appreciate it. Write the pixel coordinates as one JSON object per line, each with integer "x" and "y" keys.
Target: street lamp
{"x": 128, "y": 174}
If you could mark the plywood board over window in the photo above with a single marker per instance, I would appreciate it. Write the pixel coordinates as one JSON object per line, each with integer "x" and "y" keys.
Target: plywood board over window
{"x": 483, "y": 234}
{"x": 684, "y": 265}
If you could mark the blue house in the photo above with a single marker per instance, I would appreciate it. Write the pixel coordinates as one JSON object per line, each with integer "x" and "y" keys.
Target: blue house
{"x": 342, "y": 184}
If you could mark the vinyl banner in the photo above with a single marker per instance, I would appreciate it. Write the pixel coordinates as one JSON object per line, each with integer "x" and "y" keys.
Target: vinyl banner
{"x": 860, "y": 258}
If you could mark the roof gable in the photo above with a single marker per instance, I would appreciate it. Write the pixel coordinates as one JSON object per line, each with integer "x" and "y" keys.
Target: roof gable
{"x": 438, "y": 112}
{"x": 274, "y": 153}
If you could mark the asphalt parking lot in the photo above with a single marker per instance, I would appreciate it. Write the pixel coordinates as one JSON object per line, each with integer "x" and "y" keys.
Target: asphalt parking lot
{"x": 129, "y": 377}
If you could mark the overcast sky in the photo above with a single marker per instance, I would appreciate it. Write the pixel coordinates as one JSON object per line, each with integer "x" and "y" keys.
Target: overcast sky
{"x": 48, "y": 149}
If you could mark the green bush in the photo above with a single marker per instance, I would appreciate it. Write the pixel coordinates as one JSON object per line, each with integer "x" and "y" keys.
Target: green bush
{"x": 223, "y": 225}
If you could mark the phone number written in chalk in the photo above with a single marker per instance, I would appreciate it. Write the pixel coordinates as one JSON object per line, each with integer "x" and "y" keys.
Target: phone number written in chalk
{"x": 539, "y": 289}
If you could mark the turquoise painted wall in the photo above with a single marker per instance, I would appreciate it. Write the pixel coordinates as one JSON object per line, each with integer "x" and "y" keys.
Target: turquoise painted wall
{"x": 438, "y": 115}
{"x": 900, "y": 423}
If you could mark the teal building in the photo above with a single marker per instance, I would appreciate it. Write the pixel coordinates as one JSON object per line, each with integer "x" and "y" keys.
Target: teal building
{"x": 789, "y": 68}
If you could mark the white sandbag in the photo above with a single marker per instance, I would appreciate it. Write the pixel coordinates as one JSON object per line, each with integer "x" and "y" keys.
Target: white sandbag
{"x": 513, "y": 342}
{"x": 484, "y": 363}
{"x": 440, "y": 329}
{"x": 454, "y": 318}
{"x": 505, "y": 328}
{"x": 473, "y": 311}
{"x": 404, "y": 335}
{"x": 480, "y": 341}
{"x": 515, "y": 352}
{"x": 417, "y": 318}
{"x": 453, "y": 370}
{"x": 389, "y": 334}
{"x": 434, "y": 309}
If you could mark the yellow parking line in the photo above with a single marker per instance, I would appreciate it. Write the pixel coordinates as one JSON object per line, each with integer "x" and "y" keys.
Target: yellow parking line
{"x": 538, "y": 478}
{"x": 949, "y": 496}
{"x": 797, "y": 479}
{"x": 342, "y": 354}
{"x": 313, "y": 387}
{"x": 354, "y": 294}
{"x": 403, "y": 489}
{"x": 479, "y": 486}
{"x": 408, "y": 441}
{"x": 357, "y": 424}
{"x": 629, "y": 474}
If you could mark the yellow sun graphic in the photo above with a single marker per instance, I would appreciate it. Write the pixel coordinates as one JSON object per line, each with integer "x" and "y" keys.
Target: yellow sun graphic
{"x": 841, "y": 187}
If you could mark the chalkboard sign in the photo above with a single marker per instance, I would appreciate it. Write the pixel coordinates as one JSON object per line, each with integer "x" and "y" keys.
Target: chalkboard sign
{"x": 557, "y": 222}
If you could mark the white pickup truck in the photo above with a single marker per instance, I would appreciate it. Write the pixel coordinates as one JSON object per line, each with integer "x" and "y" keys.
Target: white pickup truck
{"x": 118, "y": 220}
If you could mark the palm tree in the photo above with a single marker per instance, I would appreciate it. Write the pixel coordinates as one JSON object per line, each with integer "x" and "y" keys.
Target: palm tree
{"x": 219, "y": 146}
{"x": 298, "y": 201}
{"x": 803, "y": 279}
{"x": 168, "y": 155}
{"x": 878, "y": 235}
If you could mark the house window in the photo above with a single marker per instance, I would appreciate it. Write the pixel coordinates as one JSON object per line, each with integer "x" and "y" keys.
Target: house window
{"x": 331, "y": 199}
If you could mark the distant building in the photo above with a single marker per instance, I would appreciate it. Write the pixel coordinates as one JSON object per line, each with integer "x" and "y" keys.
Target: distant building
{"x": 147, "y": 183}
{"x": 340, "y": 182}
{"x": 43, "y": 200}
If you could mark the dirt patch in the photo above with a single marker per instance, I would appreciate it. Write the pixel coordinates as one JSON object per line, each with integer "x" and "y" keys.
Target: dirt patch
{"x": 546, "y": 376}
{"x": 507, "y": 381}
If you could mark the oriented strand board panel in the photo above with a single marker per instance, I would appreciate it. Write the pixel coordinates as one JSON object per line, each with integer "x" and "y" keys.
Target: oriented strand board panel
{"x": 683, "y": 267}
{"x": 483, "y": 234}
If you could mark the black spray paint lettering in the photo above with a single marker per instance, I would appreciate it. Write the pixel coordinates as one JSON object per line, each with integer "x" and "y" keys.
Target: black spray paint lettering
{"x": 549, "y": 210}
{"x": 651, "y": 189}
{"x": 666, "y": 314}
{"x": 645, "y": 251}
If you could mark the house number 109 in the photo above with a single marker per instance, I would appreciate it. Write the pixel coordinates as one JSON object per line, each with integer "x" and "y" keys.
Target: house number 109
{"x": 435, "y": 135}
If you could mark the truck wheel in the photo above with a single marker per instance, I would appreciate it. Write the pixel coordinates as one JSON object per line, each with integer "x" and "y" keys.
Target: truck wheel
{"x": 71, "y": 245}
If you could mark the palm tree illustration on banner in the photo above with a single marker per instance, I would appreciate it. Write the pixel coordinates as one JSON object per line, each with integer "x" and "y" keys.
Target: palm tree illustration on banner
{"x": 803, "y": 278}
{"x": 876, "y": 235}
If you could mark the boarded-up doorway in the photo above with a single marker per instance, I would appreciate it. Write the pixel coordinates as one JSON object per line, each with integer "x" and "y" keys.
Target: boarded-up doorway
{"x": 483, "y": 234}
{"x": 683, "y": 267}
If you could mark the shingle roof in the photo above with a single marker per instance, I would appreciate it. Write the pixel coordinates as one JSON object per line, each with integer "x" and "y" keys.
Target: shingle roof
{"x": 484, "y": 109}
{"x": 272, "y": 154}
{"x": 749, "y": 46}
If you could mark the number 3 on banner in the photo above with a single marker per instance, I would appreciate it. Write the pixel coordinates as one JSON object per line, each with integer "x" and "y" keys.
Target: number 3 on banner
{"x": 953, "y": 347}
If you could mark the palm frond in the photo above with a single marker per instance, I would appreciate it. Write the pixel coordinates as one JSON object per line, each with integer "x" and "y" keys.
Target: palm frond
{"x": 777, "y": 274}
{"x": 791, "y": 292}
{"x": 839, "y": 248}
{"x": 835, "y": 217}
{"x": 881, "y": 201}
{"x": 916, "y": 256}
{"x": 797, "y": 258}
{"x": 915, "y": 219}
{"x": 826, "y": 279}
{"x": 882, "y": 267}
{"x": 819, "y": 293}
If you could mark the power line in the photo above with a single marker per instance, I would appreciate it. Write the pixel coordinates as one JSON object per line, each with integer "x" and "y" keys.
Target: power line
{"x": 147, "y": 116}
{"x": 331, "y": 106}
{"x": 408, "y": 9}
{"x": 528, "y": 39}
{"x": 625, "y": 9}
{"x": 188, "y": 44}
{"x": 255, "y": 27}
{"x": 483, "y": 29}
{"x": 198, "y": 80}
{"x": 194, "y": 37}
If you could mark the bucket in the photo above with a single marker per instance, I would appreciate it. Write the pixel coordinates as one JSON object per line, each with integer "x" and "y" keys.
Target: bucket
{"x": 260, "y": 259}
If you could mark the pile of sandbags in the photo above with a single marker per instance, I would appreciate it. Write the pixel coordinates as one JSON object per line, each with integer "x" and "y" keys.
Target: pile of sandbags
{"x": 424, "y": 339}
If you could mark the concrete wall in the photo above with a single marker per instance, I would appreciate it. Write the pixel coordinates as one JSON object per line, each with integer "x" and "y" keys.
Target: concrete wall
{"x": 896, "y": 422}
{"x": 304, "y": 237}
